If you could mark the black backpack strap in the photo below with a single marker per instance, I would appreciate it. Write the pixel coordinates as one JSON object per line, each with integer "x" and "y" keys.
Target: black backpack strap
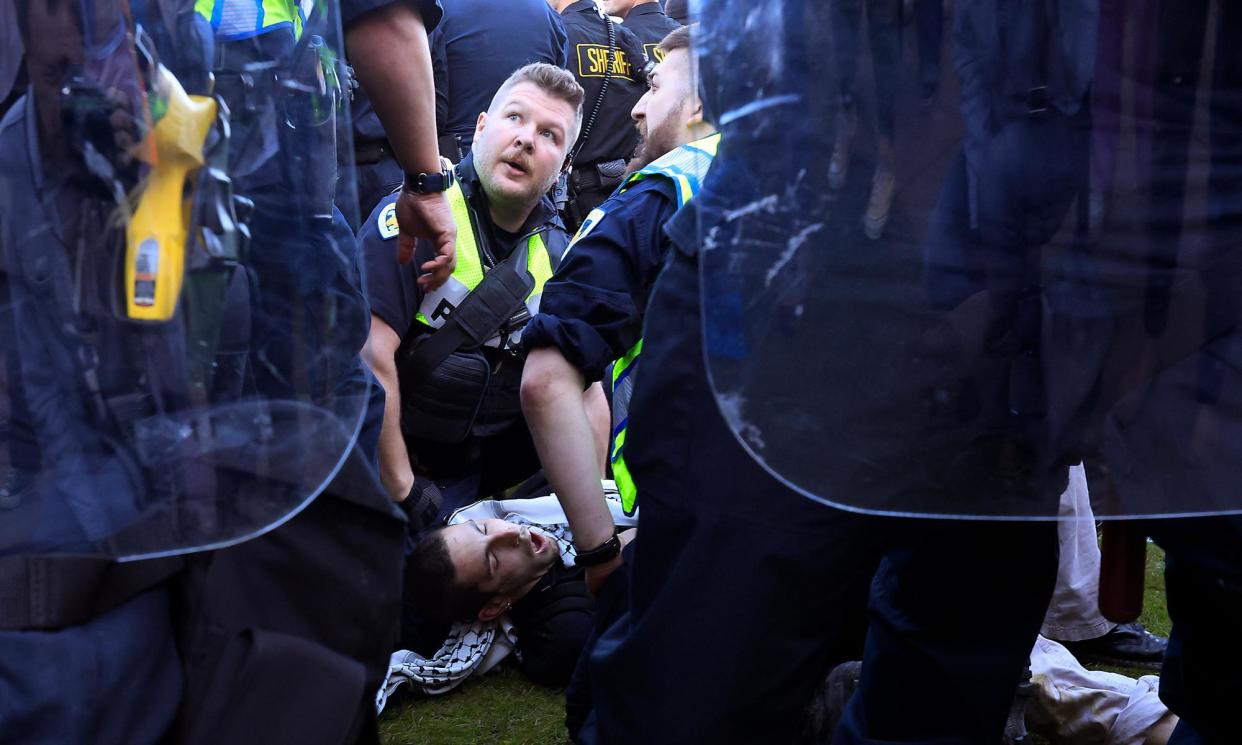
{"x": 489, "y": 305}
{"x": 48, "y": 592}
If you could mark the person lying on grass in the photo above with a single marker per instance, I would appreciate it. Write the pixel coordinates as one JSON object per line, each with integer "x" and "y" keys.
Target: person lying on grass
{"x": 499, "y": 578}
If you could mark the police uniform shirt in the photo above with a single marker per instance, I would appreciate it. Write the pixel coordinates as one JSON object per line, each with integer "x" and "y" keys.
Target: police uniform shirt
{"x": 613, "y": 135}
{"x": 366, "y": 123}
{"x": 478, "y": 44}
{"x": 44, "y": 217}
{"x": 650, "y": 24}
{"x": 392, "y": 288}
{"x": 592, "y": 309}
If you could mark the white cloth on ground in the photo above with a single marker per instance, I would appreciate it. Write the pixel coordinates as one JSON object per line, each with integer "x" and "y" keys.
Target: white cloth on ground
{"x": 1077, "y": 706}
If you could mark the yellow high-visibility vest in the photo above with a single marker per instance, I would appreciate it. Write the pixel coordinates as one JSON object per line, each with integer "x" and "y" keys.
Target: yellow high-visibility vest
{"x": 439, "y": 303}
{"x": 241, "y": 19}
{"x": 685, "y": 167}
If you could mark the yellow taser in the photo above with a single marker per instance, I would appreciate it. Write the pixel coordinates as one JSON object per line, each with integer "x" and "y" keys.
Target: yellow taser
{"x": 159, "y": 228}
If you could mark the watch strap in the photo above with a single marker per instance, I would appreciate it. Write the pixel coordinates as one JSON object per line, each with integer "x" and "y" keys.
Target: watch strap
{"x": 428, "y": 183}
{"x": 606, "y": 551}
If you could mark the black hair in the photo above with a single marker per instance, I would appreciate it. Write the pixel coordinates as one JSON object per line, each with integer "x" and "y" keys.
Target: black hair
{"x": 431, "y": 583}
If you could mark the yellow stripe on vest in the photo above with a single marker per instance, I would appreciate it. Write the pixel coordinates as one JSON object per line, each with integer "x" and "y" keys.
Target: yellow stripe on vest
{"x": 469, "y": 271}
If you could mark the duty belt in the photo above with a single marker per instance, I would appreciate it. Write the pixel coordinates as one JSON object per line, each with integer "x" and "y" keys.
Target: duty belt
{"x": 56, "y": 591}
{"x": 370, "y": 152}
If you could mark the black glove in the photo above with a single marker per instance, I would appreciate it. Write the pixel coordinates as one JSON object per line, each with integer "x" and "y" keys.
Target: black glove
{"x": 422, "y": 504}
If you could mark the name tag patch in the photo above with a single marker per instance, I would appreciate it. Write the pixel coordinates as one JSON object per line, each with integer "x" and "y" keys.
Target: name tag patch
{"x": 593, "y": 62}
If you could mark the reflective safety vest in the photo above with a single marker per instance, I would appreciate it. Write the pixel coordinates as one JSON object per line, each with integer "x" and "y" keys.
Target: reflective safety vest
{"x": 242, "y": 19}
{"x": 685, "y": 168}
{"x": 438, "y": 304}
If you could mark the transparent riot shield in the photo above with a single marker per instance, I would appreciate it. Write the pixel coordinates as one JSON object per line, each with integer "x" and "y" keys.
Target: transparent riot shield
{"x": 947, "y": 252}
{"x": 182, "y": 306}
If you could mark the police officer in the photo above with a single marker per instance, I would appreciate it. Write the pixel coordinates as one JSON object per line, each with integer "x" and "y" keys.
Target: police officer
{"x": 758, "y": 643}
{"x": 64, "y": 431}
{"x": 309, "y": 320}
{"x": 646, "y": 19}
{"x": 386, "y": 41}
{"x": 447, "y": 358}
{"x": 607, "y": 59}
{"x": 377, "y": 167}
{"x": 475, "y": 47}
{"x": 1175, "y": 436}
{"x": 592, "y": 310}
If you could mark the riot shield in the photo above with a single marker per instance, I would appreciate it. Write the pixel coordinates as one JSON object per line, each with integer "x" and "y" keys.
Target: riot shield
{"x": 182, "y": 306}
{"x": 945, "y": 254}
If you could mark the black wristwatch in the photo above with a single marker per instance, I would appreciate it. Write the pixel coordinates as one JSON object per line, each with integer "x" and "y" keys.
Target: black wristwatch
{"x": 606, "y": 551}
{"x": 428, "y": 183}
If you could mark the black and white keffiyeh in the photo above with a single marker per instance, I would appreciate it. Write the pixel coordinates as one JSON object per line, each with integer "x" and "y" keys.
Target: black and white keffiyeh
{"x": 478, "y": 646}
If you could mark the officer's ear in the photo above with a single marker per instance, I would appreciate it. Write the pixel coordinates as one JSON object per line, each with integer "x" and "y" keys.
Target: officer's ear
{"x": 480, "y": 125}
{"x": 495, "y": 607}
{"x": 696, "y": 112}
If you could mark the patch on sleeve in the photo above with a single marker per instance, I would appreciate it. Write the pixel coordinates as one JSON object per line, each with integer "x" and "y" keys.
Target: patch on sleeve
{"x": 588, "y": 225}
{"x": 387, "y": 222}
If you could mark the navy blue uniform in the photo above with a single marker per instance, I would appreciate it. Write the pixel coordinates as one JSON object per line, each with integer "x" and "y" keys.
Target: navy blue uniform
{"x": 502, "y": 456}
{"x": 592, "y": 310}
{"x": 477, "y": 45}
{"x": 376, "y": 169}
{"x": 134, "y": 681}
{"x": 650, "y": 24}
{"x": 609, "y": 138}
{"x": 613, "y": 135}
{"x": 748, "y": 589}
{"x": 753, "y": 592}
{"x": 607, "y": 142}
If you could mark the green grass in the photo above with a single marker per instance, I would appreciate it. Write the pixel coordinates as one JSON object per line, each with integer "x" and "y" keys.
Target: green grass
{"x": 503, "y": 708}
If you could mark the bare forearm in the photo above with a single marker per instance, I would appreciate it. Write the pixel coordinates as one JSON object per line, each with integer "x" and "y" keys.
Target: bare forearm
{"x": 394, "y": 459}
{"x": 389, "y": 52}
{"x": 555, "y": 409}
{"x": 379, "y": 353}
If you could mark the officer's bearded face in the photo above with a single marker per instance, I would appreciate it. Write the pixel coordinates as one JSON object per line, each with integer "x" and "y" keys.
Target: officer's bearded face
{"x": 520, "y": 144}
{"x": 663, "y": 115}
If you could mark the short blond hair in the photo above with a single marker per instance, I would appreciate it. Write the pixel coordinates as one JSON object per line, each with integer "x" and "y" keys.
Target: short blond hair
{"x": 555, "y": 81}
